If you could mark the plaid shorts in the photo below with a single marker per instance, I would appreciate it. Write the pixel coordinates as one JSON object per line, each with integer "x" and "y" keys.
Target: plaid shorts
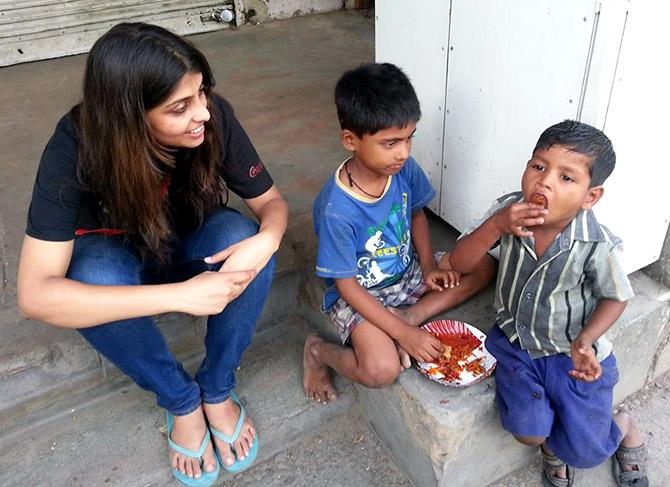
{"x": 407, "y": 291}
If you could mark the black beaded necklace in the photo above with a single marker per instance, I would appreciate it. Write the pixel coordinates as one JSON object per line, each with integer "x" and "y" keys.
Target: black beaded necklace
{"x": 353, "y": 183}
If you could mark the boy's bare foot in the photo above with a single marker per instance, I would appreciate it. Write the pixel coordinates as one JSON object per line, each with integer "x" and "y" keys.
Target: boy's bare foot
{"x": 223, "y": 417}
{"x": 406, "y": 315}
{"x": 316, "y": 378}
{"x": 405, "y": 359}
{"x": 188, "y": 431}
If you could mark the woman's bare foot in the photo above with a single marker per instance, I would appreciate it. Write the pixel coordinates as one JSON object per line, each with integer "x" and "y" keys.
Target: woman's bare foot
{"x": 223, "y": 417}
{"x": 188, "y": 432}
{"x": 316, "y": 377}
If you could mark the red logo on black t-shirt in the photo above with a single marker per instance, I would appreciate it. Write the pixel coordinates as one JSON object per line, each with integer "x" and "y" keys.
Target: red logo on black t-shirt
{"x": 255, "y": 170}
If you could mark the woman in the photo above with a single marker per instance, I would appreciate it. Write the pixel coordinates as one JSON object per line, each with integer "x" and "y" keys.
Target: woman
{"x": 128, "y": 219}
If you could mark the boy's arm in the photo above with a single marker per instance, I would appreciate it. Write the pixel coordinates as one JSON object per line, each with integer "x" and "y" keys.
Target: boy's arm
{"x": 587, "y": 368}
{"x": 419, "y": 344}
{"x": 513, "y": 219}
{"x": 421, "y": 239}
{"x": 435, "y": 278}
{"x": 612, "y": 289}
{"x": 472, "y": 248}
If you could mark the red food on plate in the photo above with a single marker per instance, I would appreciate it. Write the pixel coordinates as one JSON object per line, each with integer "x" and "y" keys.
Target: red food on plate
{"x": 465, "y": 360}
{"x": 458, "y": 351}
{"x": 465, "y": 339}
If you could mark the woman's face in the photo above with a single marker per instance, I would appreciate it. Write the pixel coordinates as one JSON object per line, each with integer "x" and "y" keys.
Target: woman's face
{"x": 179, "y": 121}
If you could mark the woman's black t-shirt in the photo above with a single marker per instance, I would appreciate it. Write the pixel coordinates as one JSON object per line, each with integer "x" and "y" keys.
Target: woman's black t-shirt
{"x": 61, "y": 205}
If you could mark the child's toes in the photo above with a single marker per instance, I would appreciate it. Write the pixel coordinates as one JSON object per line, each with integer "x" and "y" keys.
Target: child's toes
{"x": 405, "y": 361}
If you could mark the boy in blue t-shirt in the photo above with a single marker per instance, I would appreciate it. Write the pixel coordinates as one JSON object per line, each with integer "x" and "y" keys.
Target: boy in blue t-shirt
{"x": 560, "y": 287}
{"x": 374, "y": 247}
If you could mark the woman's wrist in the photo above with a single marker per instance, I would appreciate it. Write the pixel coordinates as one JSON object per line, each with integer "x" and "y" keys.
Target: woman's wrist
{"x": 170, "y": 296}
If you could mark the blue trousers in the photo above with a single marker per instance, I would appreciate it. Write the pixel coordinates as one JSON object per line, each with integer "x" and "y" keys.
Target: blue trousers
{"x": 537, "y": 397}
{"x": 136, "y": 346}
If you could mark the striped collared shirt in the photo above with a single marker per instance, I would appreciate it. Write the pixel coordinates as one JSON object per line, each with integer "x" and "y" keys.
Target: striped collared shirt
{"x": 545, "y": 302}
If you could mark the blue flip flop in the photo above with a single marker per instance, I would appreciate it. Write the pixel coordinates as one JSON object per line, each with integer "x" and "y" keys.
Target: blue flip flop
{"x": 206, "y": 478}
{"x": 239, "y": 465}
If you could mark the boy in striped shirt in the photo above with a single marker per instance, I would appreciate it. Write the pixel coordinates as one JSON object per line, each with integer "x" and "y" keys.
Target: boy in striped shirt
{"x": 560, "y": 287}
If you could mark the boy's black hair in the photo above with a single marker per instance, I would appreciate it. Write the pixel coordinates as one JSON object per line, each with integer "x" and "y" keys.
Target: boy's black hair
{"x": 584, "y": 139}
{"x": 374, "y": 97}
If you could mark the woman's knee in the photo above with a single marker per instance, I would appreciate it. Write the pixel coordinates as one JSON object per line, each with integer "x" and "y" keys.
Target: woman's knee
{"x": 105, "y": 266}
{"x": 378, "y": 374}
{"x": 104, "y": 275}
{"x": 530, "y": 440}
{"x": 230, "y": 226}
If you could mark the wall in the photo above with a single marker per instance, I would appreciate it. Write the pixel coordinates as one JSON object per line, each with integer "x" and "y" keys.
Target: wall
{"x": 44, "y": 29}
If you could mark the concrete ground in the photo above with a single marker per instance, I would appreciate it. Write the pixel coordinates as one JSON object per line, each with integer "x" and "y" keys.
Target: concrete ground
{"x": 115, "y": 435}
{"x": 345, "y": 453}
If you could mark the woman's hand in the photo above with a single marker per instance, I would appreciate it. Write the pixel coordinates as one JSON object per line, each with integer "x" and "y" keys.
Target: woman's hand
{"x": 250, "y": 253}
{"x": 255, "y": 252}
{"x": 210, "y": 292}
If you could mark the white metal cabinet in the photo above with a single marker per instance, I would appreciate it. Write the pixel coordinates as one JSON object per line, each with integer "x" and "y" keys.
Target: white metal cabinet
{"x": 398, "y": 31}
{"x": 513, "y": 69}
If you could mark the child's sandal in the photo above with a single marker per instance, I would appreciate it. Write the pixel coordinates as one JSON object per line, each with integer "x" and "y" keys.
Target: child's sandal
{"x": 551, "y": 463}
{"x": 636, "y": 457}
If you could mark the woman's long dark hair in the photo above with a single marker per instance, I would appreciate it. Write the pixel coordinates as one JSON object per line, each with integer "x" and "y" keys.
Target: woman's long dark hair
{"x": 130, "y": 70}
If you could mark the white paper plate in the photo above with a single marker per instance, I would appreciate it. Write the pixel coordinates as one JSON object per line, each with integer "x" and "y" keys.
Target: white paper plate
{"x": 450, "y": 327}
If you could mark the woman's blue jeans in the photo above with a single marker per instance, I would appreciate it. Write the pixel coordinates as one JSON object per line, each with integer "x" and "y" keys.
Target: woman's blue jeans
{"x": 136, "y": 345}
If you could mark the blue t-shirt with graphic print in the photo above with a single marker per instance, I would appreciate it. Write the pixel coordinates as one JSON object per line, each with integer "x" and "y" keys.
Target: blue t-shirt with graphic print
{"x": 365, "y": 238}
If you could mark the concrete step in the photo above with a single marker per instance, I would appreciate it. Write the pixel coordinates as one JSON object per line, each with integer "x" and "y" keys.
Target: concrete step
{"x": 40, "y": 364}
{"x": 452, "y": 437}
{"x": 115, "y": 435}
